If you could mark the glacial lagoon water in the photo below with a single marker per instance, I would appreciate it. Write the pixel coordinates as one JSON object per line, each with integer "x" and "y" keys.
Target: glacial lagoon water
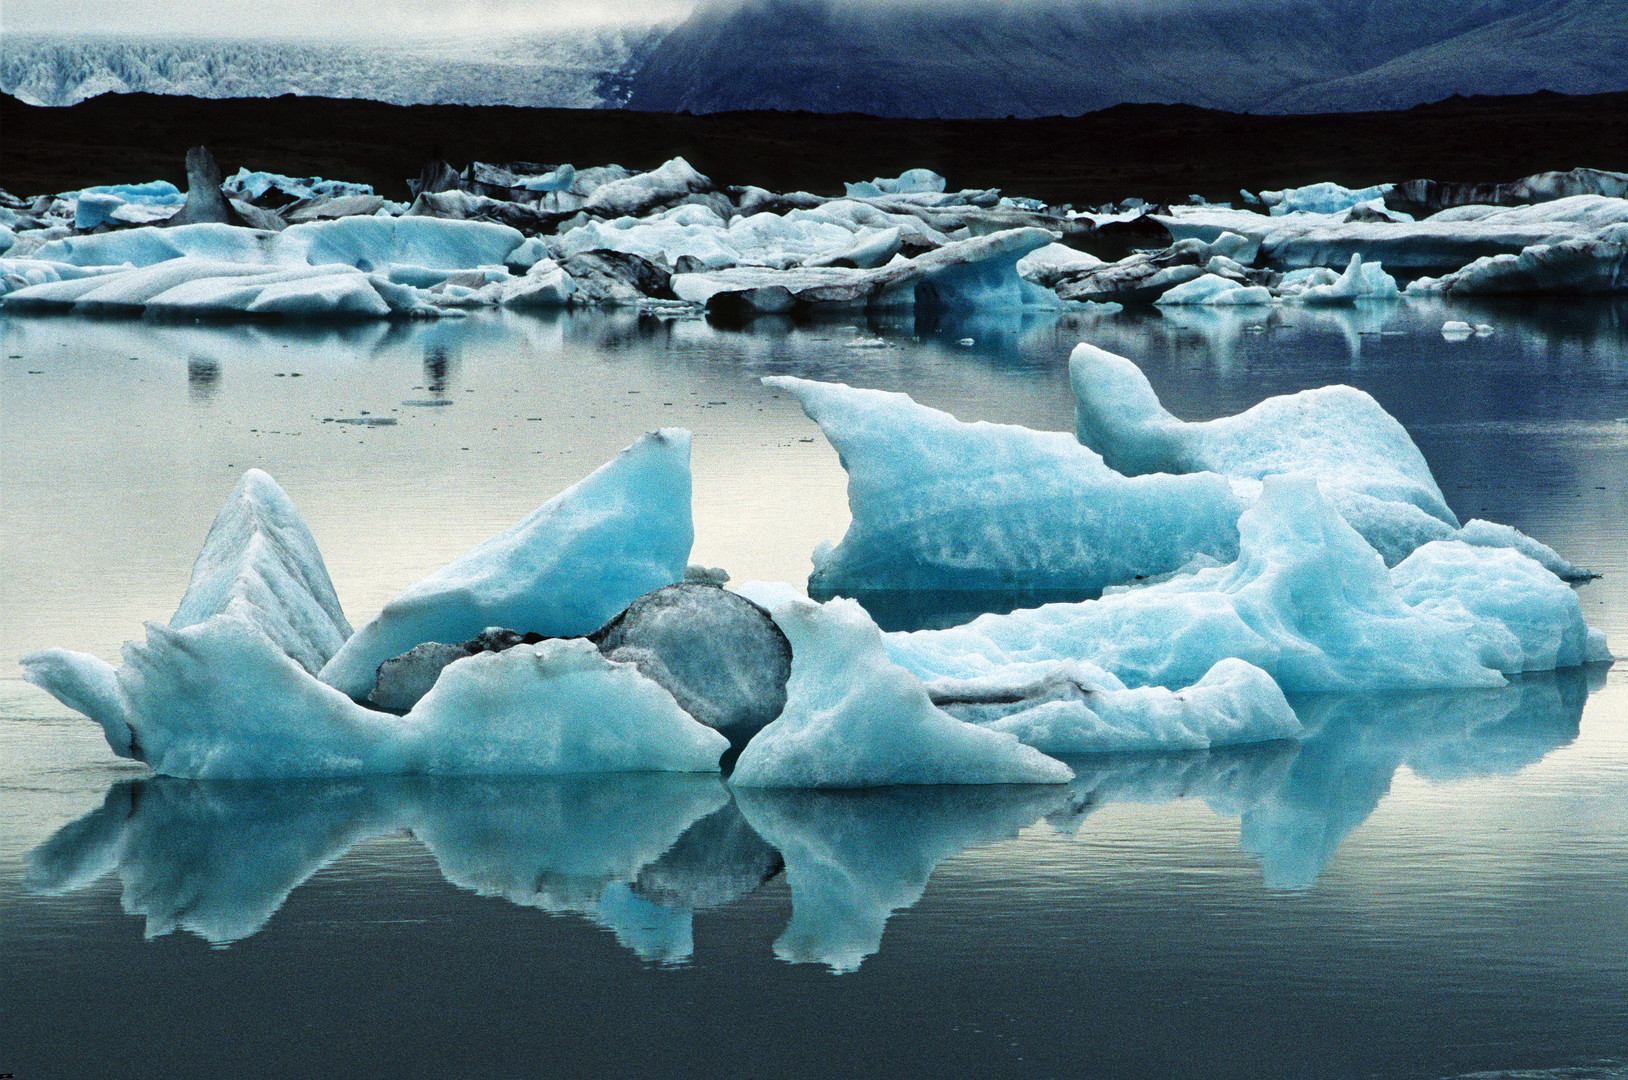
{"x": 1430, "y": 886}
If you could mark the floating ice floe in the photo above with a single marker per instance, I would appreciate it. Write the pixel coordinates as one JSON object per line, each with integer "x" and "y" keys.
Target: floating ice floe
{"x": 1307, "y": 600}
{"x": 941, "y": 504}
{"x": 978, "y": 273}
{"x": 1365, "y": 461}
{"x": 854, "y": 718}
{"x": 1318, "y": 286}
{"x": 218, "y": 695}
{"x": 1587, "y": 267}
{"x": 1439, "y": 244}
{"x": 1002, "y": 509}
{"x": 1322, "y": 198}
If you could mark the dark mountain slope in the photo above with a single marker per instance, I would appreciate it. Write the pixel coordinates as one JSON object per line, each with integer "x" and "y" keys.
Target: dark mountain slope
{"x": 1034, "y": 59}
{"x": 1568, "y": 46}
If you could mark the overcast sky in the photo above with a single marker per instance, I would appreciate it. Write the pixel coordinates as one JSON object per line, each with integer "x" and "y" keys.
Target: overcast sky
{"x": 332, "y": 19}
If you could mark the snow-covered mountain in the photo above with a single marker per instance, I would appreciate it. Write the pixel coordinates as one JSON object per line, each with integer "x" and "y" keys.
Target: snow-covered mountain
{"x": 573, "y": 68}
{"x": 984, "y": 58}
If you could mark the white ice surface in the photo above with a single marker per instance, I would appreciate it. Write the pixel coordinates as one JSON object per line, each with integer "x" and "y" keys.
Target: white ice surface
{"x": 942, "y": 504}
{"x": 1212, "y": 289}
{"x": 1339, "y": 434}
{"x": 226, "y": 691}
{"x": 1360, "y": 281}
{"x": 1597, "y": 265}
{"x": 978, "y": 273}
{"x": 1323, "y": 198}
{"x": 566, "y": 568}
{"x": 645, "y": 191}
{"x": 1452, "y": 238}
{"x": 1078, "y": 709}
{"x": 261, "y": 564}
{"x": 853, "y": 718}
{"x": 1307, "y": 601}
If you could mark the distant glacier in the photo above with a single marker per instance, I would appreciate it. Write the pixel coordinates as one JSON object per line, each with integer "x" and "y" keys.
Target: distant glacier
{"x": 575, "y": 68}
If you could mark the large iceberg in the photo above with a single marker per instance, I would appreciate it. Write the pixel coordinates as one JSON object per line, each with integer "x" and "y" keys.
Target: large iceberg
{"x": 1439, "y": 244}
{"x": 1365, "y": 460}
{"x": 942, "y": 504}
{"x": 1339, "y": 434}
{"x": 1594, "y": 266}
{"x": 978, "y": 272}
{"x": 564, "y": 570}
{"x": 1307, "y": 600}
{"x": 226, "y": 691}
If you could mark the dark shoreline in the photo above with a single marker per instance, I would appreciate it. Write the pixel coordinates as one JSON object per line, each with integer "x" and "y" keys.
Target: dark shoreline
{"x": 1159, "y": 152}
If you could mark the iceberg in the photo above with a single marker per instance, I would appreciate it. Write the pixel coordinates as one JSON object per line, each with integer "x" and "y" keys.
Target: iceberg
{"x": 1212, "y": 289}
{"x": 853, "y": 718}
{"x": 226, "y": 690}
{"x": 1079, "y": 709}
{"x": 1337, "y": 433}
{"x": 1366, "y": 461}
{"x": 1439, "y": 244}
{"x": 1308, "y": 601}
{"x": 1323, "y": 198}
{"x": 644, "y": 192}
{"x": 1588, "y": 267}
{"x": 980, "y": 272}
{"x": 909, "y": 182}
{"x": 941, "y": 504}
{"x": 564, "y": 570}
{"x": 261, "y": 564}
{"x": 1361, "y": 281}
{"x": 321, "y": 269}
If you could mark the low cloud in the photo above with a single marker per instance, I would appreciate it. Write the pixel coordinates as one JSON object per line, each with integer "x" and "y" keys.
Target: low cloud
{"x": 362, "y": 19}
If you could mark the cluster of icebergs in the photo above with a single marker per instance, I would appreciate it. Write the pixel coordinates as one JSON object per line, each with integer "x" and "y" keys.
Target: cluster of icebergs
{"x": 530, "y": 236}
{"x": 1301, "y": 546}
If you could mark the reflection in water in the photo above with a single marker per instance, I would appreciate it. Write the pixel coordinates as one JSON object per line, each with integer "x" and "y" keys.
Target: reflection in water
{"x": 203, "y": 377}
{"x": 1345, "y": 767}
{"x": 853, "y": 858}
{"x": 638, "y": 854}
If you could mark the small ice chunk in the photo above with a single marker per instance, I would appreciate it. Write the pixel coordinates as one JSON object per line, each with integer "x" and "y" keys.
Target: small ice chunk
{"x": 1456, "y": 330}
{"x": 1078, "y": 710}
{"x": 853, "y": 718}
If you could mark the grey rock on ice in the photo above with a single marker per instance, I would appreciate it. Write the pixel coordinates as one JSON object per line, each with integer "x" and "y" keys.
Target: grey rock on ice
{"x": 719, "y": 654}
{"x": 403, "y": 679}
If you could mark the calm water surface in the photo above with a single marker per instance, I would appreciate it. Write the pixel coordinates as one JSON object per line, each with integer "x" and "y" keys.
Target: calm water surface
{"x": 1430, "y": 885}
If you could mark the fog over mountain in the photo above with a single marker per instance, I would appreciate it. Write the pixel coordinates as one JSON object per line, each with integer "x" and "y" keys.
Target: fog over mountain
{"x": 1029, "y": 59}
{"x": 933, "y": 58}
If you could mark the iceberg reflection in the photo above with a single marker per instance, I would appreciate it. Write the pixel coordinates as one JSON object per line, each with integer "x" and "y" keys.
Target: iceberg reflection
{"x": 638, "y": 854}
{"x": 854, "y": 857}
{"x": 1358, "y": 741}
